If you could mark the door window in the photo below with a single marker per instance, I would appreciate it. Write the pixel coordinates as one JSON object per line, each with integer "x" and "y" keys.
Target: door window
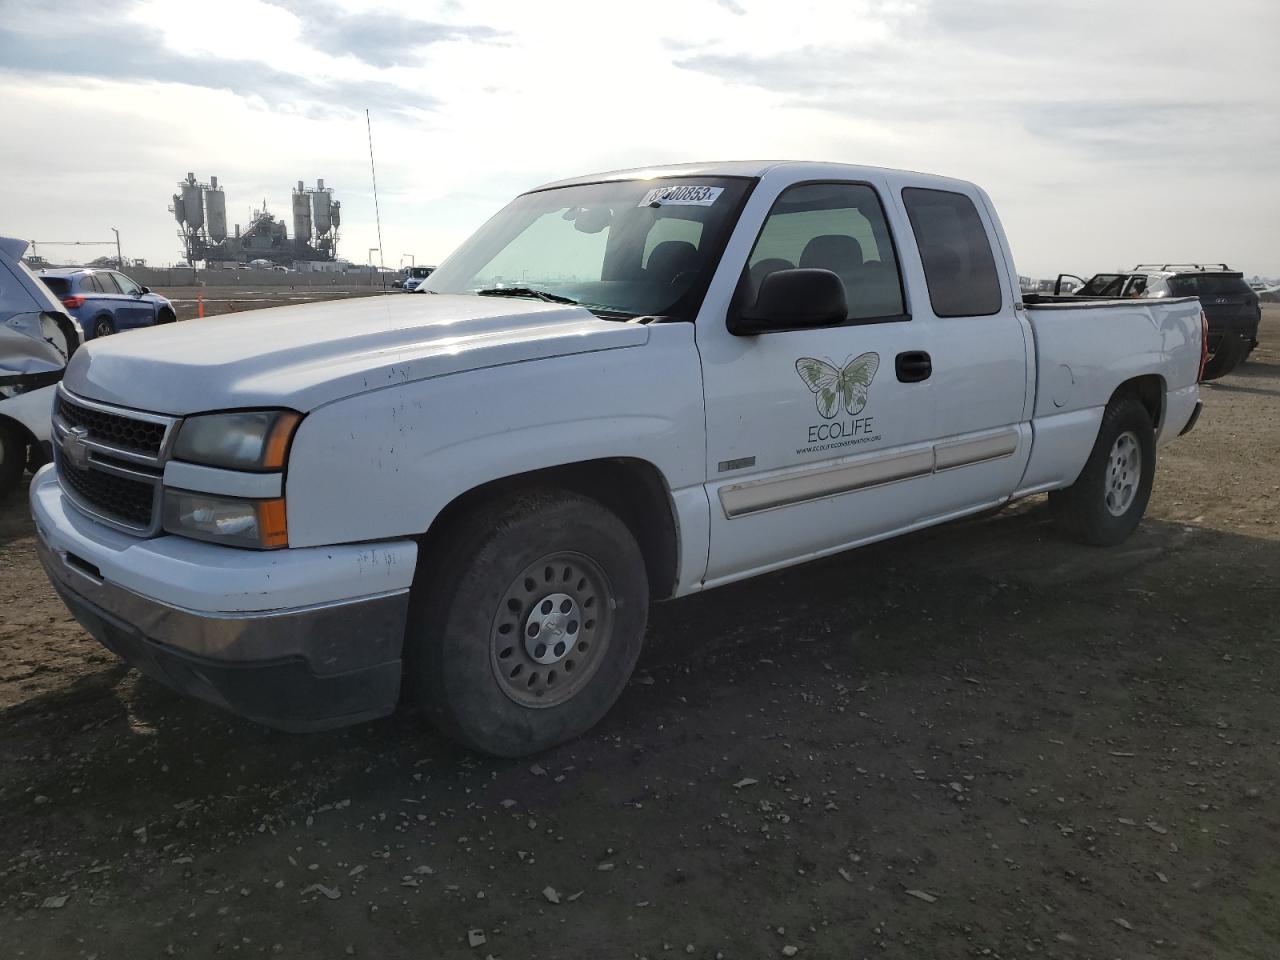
{"x": 955, "y": 253}
{"x": 127, "y": 286}
{"x": 105, "y": 283}
{"x": 838, "y": 227}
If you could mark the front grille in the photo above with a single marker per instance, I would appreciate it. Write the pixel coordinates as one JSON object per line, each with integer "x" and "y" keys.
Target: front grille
{"x": 114, "y": 430}
{"x": 119, "y": 498}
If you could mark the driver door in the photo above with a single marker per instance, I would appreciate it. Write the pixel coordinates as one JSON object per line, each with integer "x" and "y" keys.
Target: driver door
{"x": 796, "y": 469}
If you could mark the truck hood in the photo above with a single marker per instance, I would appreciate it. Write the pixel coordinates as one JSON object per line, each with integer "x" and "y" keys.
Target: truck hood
{"x": 304, "y": 356}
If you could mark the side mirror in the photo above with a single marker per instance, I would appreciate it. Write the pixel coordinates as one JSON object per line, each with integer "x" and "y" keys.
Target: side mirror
{"x": 791, "y": 300}
{"x": 146, "y": 290}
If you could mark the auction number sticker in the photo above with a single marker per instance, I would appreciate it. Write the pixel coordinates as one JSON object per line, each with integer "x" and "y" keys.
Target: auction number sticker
{"x": 683, "y": 196}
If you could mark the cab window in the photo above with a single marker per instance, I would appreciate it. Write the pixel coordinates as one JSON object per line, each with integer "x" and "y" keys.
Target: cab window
{"x": 959, "y": 268}
{"x": 838, "y": 227}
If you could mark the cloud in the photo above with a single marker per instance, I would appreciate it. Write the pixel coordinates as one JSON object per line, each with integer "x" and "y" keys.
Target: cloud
{"x": 111, "y": 50}
{"x": 119, "y": 40}
{"x": 379, "y": 38}
{"x": 1150, "y": 133}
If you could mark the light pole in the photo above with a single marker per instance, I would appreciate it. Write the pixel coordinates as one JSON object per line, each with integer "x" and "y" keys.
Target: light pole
{"x": 119, "y": 259}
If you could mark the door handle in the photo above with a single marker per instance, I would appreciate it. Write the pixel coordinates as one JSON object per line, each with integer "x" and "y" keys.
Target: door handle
{"x": 913, "y": 366}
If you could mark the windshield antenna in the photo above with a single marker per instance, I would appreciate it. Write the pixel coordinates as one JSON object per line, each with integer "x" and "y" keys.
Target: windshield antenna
{"x": 382, "y": 266}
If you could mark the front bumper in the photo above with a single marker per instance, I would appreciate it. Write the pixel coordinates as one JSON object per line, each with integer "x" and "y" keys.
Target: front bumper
{"x": 296, "y": 639}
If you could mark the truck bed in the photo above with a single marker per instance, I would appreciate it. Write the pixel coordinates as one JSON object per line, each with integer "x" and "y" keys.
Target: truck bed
{"x": 1087, "y": 347}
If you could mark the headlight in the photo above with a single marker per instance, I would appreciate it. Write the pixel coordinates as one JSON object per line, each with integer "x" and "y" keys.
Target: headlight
{"x": 228, "y": 520}
{"x": 249, "y": 440}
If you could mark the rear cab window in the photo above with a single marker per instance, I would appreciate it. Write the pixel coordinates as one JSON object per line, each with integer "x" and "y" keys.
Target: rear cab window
{"x": 955, "y": 252}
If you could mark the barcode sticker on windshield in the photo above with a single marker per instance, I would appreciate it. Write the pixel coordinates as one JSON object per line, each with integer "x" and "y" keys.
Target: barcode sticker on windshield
{"x": 683, "y": 196}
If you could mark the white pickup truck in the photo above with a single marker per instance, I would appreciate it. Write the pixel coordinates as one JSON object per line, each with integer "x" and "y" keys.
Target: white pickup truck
{"x": 622, "y": 388}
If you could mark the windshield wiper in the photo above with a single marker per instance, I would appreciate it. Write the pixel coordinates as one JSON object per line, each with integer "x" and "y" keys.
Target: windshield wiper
{"x": 525, "y": 292}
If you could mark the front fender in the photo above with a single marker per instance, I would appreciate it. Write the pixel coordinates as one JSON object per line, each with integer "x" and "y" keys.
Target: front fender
{"x": 385, "y": 463}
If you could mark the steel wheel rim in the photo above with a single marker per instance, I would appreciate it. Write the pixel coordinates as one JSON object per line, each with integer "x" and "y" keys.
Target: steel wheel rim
{"x": 551, "y": 630}
{"x": 102, "y": 329}
{"x": 1124, "y": 471}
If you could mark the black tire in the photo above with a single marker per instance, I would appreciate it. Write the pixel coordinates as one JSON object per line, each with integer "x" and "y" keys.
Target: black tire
{"x": 165, "y": 316}
{"x": 103, "y": 327}
{"x": 476, "y": 596}
{"x": 1085, "y": 509}
{"x": 1230, "y": 353}
{"x": 13, "y": 458}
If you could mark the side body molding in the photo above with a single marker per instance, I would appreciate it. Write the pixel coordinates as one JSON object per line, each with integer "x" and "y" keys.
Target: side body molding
{"x": 867, "y": 470}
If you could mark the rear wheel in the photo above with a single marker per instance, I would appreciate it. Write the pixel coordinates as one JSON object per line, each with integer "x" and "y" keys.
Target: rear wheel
{"x": 1110, "y": 496}
{"x": 526, "y": 621}
{"x": 1229, "y": 353}
{"x": 103, "y": 327}
{"x": 13, "y": 458}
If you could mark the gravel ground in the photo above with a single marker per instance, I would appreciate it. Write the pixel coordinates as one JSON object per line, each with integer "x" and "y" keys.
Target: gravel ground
{"x": 978, "y": 741}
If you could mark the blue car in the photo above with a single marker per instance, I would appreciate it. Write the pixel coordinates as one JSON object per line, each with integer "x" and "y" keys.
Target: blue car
{"x": 106, "y": 301}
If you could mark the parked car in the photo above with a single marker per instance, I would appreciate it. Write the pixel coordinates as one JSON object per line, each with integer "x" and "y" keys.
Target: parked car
{"x": 412, "y": 278}
{"x": 1230, "y": 304}
{"x": 706, "y": 373}
{"x": 37, "y": 337}
{"x": 106, "y": 301}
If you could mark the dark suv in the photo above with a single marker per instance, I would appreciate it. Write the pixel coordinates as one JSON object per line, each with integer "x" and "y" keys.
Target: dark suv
{"x": 1230, "y": 304}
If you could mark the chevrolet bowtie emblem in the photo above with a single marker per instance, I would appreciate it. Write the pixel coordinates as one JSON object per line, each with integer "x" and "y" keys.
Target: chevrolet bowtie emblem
{"x": 74, "y": 449}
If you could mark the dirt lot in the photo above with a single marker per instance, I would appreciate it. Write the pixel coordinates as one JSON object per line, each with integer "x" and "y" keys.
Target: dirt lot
{"x": 222, "y": 298}
{"x": 980, "y": 741}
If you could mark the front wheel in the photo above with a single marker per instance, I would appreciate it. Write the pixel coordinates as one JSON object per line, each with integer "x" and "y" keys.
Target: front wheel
{"x": 526, "y": 620}
{"x": 1110, "y": 496}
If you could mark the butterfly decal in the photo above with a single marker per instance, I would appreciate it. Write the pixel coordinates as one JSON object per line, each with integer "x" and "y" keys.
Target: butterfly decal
{"x": 834, "y": 387}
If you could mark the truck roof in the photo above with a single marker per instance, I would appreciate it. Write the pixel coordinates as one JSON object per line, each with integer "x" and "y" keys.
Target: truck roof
{"x": 804, "y": 169}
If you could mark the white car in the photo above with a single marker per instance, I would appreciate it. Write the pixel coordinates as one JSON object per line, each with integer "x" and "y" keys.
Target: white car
{"x": 701, "y": 374}
{"x": 37, "y": 336}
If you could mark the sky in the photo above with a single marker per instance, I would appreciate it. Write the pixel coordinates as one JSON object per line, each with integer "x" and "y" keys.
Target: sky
{"x": 1106, "y": 133}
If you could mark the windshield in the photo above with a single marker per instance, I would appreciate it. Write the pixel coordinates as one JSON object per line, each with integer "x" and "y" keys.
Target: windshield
{"x": 629, "y": 248}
